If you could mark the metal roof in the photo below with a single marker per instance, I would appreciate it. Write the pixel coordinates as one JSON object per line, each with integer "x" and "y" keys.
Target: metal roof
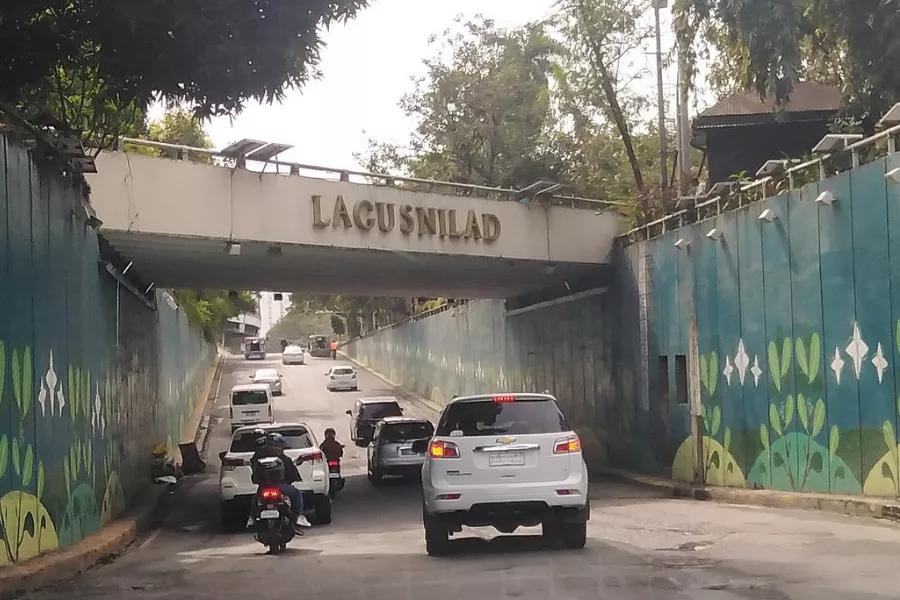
{"x": 809, "y": 99}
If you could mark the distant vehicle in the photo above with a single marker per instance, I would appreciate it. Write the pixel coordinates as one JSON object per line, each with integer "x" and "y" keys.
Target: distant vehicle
{"x": 341, "y": 378}
{"x": 251, "y": 404}
{"x": 270, "y": 377}
{"x": 398, "y": 447}
{"x": 293, "y": 355}
{"x": 319, "y": 346}
{"x": 237, "y": 490}
{"x": 366, "y": 413}
{"x": 505, "y": 461}
{"x": 254, "y": 347}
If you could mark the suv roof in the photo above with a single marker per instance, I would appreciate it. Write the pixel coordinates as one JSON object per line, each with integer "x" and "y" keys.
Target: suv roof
{"x": 268, "y": 427}
{"x": 477, "y": 397}
{"x": 378, "y": 400}
{"x": 250, "y": 387}
{"x": 393, "y": 420}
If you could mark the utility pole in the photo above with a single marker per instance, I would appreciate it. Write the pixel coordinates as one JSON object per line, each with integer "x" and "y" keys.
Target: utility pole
{"x": 663, "y": 175}
{"x": 686, "y": 171}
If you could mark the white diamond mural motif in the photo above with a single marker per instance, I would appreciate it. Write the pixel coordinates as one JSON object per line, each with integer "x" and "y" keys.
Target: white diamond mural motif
{"x": 728, "y": 370}
{"x": 741, "y": 361}
{"x": 837, "y": 364}
{"x": 880, "y": 363}
{"x": 756, "y": 371}
{"x": 857, "y": 350}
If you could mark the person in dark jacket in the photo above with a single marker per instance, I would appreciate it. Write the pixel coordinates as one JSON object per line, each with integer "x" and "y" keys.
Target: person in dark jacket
{"x": 272, "y": 445}
{"x": 331, "y": 448}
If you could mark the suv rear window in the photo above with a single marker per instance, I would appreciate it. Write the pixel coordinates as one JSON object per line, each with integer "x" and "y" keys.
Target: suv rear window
{"x": 296, "y": 437}
{"x": 401, "y": 432}
{"x": 380, "y": 410}
{"x": 246, "y": 397}
{"x": 486, "y": 417}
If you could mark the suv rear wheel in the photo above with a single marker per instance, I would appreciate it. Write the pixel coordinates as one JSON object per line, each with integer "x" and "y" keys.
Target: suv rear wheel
{"x": 437, "y": 535}
{"x": 322, "y": 506}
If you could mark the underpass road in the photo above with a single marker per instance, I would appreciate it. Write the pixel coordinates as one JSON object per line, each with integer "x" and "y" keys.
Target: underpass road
{"x": 640, "y": 546}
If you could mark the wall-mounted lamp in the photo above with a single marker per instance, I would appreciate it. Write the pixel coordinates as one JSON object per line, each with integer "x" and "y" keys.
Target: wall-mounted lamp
{"x": 893, "y": 175}
{"x": 233, "y": 249}
{"x": 682, "y": 244}
{"x": 826, "y": 198}
{"x": 715, "y": 234}
{"x": 127, "y": 267}
{"x": 768, "y": 215}
{"x": 277, "y": 297}
{"x": 149, "y": 288}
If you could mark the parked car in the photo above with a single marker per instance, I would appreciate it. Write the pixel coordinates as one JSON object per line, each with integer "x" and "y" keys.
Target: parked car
{"x": 236, "y": 488}
{"x": 505, "y": 461}
{"x": 398, "y": 447}
{"x": 341, "y": 378}
{"x": 293, "y": 355}
{"x": 366, "y": 413}
{"x": 270, "y": 377}
{"x": 251, "y": 404}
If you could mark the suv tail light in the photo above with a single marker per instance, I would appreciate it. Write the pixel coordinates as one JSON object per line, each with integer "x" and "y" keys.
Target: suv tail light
{"x": 567, "y": 445}
{"x": 439, "y": 449}
{"x": 270, "y": 494}
{"x": 230, "y": 464}
{"x": 311, "y": 457}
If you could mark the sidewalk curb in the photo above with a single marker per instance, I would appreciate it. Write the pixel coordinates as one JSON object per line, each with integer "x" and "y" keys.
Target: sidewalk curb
{"x": 857, "y": 506}
{"x": 107, "y": 543}
{"x": 425, "y": 403}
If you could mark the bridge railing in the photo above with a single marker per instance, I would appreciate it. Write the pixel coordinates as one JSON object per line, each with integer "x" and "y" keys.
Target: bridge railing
{"x": 411, "y": 319}
{"x": 415, "y": 183}
{"x": 790, "y": 179}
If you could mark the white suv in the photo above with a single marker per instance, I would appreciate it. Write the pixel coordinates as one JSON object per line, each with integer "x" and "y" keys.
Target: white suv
{"x": 506, "y": 461}
{"x": 236, "y": 489}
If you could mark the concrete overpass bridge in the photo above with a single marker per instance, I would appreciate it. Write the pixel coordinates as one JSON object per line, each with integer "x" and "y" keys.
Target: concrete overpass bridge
{"x": 185, "y": 224}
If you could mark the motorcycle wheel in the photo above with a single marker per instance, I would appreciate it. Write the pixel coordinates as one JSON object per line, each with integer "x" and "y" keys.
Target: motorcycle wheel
{"x": 274, "y": 548}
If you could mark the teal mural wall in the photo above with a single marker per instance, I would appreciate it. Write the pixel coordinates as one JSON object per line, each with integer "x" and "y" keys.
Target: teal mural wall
{"x": 799, "y": 335}
{"x": 475, "y": 348}
{"x": 79, "y": 416}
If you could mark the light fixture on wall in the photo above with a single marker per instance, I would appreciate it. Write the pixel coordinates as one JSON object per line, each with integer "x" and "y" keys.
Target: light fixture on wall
{"x": 893, "y": 175}
{"x": 127, "y": 267}
{"x": 149, "y": 288}
{"x": 233, "y": 249}
{"x": 715, "y": 234}
{"x": 768, "y": 215}
{"x": 826, "y": 198}
{"x": 682, "y": 244}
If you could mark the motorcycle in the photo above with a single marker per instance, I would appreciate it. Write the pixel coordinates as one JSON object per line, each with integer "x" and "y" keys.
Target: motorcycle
{"x": 271, "y": 512}
{"x": 336, "y": 481}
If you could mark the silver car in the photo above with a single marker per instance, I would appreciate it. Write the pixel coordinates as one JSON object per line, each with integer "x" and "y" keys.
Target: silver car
{"x": 398, "y": 447}
{"x": 270, "y": 377}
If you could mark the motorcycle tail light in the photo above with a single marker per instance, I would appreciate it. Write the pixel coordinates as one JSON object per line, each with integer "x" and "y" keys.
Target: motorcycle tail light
{"x": 270, "y": 494}
{"x": 333, "y": 463}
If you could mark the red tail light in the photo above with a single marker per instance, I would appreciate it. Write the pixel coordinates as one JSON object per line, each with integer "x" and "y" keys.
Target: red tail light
{"x": 439, "y": 449}
{"x": 270, "y": 494}
{"x": 333, "y": 463}
{"x": 504, "y": 398}
{"x": 311, "y": 457}
{"x": 567, "y": 445}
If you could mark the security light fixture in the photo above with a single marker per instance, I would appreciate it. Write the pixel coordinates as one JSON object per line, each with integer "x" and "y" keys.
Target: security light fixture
{"x": 277, "y": 297}
{"x": 149, "y": 288}
{"x": 233, "y": 249}
{"x": 893, "y": 175}
{"x": 826, "y": 198}
{"x": 771, "y": 167}
{"x": 682, "y": 244}
{"x": 891, "y": 117}
{"x": 835, "y": 142}
{"x": 721, "y": 188}
{"x": 127, "y": 267}
{"x": 768, "y": 215}
{"x": 715, "y": 234}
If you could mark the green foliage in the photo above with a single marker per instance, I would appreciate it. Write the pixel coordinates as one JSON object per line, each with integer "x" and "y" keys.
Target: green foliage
{"x": 180, "y": 127}
{"x": 209, "y": 310}
{"x": 90, "y": 62}
{"x": 809, "y": 361}
{"x": 779, "y": 365}
{"x": 337, "y": 325}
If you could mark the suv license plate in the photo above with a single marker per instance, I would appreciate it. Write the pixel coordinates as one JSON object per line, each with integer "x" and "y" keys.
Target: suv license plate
{"x": 269, "y": 514}
{"x": 506, "y": 459}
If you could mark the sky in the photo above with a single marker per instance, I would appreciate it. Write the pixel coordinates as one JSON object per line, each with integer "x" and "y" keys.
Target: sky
{"x": 367, "y": 65}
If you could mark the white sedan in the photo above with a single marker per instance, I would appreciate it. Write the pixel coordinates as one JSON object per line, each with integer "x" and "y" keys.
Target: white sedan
{"x": 293, "y": 355}
{"x": 341, "y": 378}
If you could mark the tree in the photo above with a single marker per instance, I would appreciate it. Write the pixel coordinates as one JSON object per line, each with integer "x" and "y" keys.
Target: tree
{"x": 337, "y": 325}
{"x": 769, "y": 45}
{"x": 209, "y": 310}
{"x": 178, "y": 127}
{"x": 86, "y": 62}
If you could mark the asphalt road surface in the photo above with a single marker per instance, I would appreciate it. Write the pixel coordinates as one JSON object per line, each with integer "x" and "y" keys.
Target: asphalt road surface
{"x": 640, "y": 546}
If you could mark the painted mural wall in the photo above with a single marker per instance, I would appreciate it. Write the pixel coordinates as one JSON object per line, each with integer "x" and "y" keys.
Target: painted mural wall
{"x": 82, "y": 405}
{"x": 476, "y": 348}
{"x": 799, "y": 338}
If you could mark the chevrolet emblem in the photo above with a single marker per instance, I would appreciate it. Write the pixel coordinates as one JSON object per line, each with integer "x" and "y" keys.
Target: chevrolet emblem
{"x": 505, "y": 440}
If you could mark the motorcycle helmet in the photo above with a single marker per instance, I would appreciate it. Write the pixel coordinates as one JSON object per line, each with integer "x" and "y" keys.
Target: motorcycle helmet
{"x": 260, "y": 435}
{"x": 330, "y": 431}
{"x": 276, "y": 440}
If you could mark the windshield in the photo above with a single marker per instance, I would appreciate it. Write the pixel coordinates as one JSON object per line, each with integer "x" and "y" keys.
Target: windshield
{"x": 246, "y": 397}
{"x": 343, "y": 371}
{"x": 318, "y": 342}
{"x": 266, "y": 374}
{"x": 486, "y": 417}
{"x": 399, "y": 432}
{"x": 295, "y": 437}
{"x": 380, "y": 410}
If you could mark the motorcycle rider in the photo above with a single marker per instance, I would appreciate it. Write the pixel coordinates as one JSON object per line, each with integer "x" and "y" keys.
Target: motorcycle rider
{"x": 272, "y": 445}
{"x": 330, "y": 447}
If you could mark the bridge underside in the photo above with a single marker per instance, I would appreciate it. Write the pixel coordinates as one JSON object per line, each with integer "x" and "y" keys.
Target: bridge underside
{"x": 199, "y": 263}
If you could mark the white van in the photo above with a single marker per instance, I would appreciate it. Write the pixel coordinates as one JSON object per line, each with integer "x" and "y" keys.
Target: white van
{"x": 251, "y": 404}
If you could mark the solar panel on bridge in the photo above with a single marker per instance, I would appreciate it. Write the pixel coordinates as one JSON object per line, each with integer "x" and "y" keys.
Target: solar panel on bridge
{"x": 243, "y": 148}
{"x": 268, "y": 152}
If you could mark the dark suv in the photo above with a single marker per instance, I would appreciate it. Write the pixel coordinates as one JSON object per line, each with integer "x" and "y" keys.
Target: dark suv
{"x": 366, "y": 413}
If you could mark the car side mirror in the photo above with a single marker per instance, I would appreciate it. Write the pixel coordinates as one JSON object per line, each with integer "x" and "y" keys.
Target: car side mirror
{"x": 402, "y": 409}
{"x": 349, "y": 412}
{"x": 222, "y": 455}
{"x": 280, "y": 376}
